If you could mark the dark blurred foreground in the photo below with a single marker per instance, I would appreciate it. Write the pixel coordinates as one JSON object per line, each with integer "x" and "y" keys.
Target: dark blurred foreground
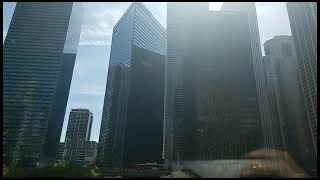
{"x": 260, "y": 163}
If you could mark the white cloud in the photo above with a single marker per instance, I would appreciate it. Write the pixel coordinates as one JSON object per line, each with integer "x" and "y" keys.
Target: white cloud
{"x": 111, "y": 13}
{"x": 98, "y": 24}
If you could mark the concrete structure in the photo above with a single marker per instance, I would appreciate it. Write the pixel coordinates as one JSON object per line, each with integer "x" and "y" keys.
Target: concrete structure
{"x": 91, "y": 153}
{"x": 89, "y": 149}
{"x": 78, "y": 133}
{"x": 131, "y": 126}
{"x": 39, "y": 53}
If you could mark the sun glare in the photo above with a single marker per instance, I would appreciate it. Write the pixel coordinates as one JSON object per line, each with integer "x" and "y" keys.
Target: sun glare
{"x": 215, "y": 6}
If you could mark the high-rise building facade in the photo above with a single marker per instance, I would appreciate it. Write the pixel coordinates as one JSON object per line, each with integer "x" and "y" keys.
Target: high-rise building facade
{"x": 60, "y": 151}
{"x": 271, "y": 100}
{"x": 91, "y": 153}
{"x": 211, "y": 98}
{"x": 78, "y": 133}
{"x": 266, "y": 110}
{"x": 281, "y": 67}
{"x": 303, "y": 23}
{"x": 38, "y": 58}
{"x": 131, "y": 126}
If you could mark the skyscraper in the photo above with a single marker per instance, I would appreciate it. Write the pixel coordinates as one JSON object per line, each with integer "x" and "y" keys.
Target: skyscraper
{"x": 271, "y": 100}
{"x": 78, "y": 133}
{"x": 270, "y": 138}
{"x": 131, "y": 126}
{"x": 38, "y": 58}
{"x": 303, "y": 22}
{"x": 211, "y": 100}
{"x": 282, "y": 74}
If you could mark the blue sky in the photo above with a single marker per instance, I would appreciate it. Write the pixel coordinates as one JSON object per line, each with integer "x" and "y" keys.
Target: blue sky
{"x": 91, "y": 67}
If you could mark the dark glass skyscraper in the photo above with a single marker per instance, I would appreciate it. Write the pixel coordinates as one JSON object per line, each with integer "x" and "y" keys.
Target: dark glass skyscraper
{"x": 38, "y": 59}
{"x": 131, "y": 126}
{"x": 270, "y": 137}
{"x": 303, "y": 22}
{"x": 211, "y": 98}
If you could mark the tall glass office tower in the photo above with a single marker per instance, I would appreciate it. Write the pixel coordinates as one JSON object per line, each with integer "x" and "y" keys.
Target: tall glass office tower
{"x": 303, "y": 23}
{"x": 270, "y": 137}
{"x": 131, "y": 126}
{"x": 211, "y": 99}
{"x": 38, "y": 59}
